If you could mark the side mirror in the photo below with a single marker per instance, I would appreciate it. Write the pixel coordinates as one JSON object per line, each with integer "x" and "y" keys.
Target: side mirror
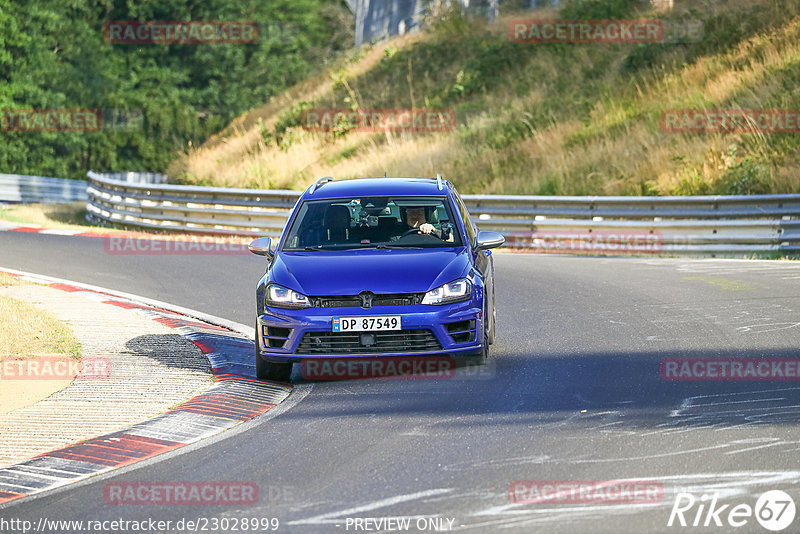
{"x": 486, "y": 240}
{"x": 262, "y": 247}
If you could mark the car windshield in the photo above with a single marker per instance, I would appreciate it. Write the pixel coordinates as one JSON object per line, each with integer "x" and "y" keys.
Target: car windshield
{"x": 373, "y": 222}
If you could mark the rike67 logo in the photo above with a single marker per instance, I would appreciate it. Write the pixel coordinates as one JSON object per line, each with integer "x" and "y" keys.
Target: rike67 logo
{"x": 774, "y": 510}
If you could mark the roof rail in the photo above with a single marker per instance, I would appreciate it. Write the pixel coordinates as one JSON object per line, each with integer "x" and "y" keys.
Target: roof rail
{"x": 439, "y": 181}
{"x": 319, "y": 183}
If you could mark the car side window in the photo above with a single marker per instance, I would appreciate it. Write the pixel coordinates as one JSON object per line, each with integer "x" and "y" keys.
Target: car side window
{"x": 472, "y": 231}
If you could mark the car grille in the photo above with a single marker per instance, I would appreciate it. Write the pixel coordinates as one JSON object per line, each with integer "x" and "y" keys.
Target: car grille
{"x": 354, "y": 301}
{"x": 421, "y": 340}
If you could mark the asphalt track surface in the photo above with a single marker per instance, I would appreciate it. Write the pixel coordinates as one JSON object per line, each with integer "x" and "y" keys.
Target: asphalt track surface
{"x": 572, "y": 393}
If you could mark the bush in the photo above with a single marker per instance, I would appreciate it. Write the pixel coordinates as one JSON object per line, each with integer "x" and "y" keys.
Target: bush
{"x": 747, "y": 177}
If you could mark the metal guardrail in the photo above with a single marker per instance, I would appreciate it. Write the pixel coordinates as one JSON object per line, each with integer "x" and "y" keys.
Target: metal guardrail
{"x": 27, "y": 189}
{"x": 702, "y": 225}
{"x": 138, "y": 177}
{"x": 208, "y": 210}
{"x": 20, "y": 188}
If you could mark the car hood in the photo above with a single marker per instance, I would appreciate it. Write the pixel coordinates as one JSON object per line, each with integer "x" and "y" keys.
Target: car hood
{"x": 378, "y": 270}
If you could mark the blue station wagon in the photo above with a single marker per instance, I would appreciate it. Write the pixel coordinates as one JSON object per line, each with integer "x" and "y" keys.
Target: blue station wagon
{"x": 375, "y": 267}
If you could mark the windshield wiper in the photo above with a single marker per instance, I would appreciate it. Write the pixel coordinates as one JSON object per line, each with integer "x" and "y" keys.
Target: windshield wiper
{"x": 395, "y": 246}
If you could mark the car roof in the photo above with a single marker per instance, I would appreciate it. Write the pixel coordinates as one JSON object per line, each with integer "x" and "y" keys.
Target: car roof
{"x": 377, "y": 186}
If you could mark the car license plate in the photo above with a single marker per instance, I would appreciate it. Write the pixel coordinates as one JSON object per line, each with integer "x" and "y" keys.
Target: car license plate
{"x": 364, "y": 324}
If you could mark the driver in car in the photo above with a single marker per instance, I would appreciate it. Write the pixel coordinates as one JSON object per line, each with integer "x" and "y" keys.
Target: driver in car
{"x": 415, "y": 218}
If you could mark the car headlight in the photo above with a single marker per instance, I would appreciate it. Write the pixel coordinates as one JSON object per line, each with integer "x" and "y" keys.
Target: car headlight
{"x": 455, "y": 291}
{"x": 283, "y": 297}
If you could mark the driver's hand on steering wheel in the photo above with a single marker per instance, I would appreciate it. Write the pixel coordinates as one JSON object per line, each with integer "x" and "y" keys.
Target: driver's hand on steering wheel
{"x": 426, "y": 228}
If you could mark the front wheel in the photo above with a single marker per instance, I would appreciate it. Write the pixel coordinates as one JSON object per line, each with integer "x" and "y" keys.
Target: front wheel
{"x": 487, "y": 334}
{"x": 493, "y": 328}
{"x": 279, "y": 372}
{"x": 483, "y": 356}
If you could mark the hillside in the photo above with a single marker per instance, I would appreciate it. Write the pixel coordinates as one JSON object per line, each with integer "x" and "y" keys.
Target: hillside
{"x": 554, "y": 119}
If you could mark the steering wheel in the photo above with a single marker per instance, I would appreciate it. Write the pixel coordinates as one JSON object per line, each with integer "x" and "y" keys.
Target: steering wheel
{"x": 411, "y": 231}
{"x": 413, "y": 237}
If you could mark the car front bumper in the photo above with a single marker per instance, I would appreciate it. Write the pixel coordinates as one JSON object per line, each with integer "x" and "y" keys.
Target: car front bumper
{"x": 296, "y": 335}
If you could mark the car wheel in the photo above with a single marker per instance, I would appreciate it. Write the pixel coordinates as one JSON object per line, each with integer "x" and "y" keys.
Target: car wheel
{"x": 487, "y": 336}
{"x": 493, "y": 328}
{"x": 481, "y": 357}
{"x": 279, "y": 372}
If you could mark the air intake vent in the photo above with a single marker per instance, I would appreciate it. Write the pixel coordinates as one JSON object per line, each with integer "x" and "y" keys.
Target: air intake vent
{"x": 462, "y": 331}
{"x": 275, "y": 337}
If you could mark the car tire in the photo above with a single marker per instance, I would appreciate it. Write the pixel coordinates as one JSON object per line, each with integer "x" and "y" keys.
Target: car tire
{"x": 487, "y": 336}
{"x": 279, "y": 372}
{"x": 493, "y": 327}
{"x": 483, "y": 356}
